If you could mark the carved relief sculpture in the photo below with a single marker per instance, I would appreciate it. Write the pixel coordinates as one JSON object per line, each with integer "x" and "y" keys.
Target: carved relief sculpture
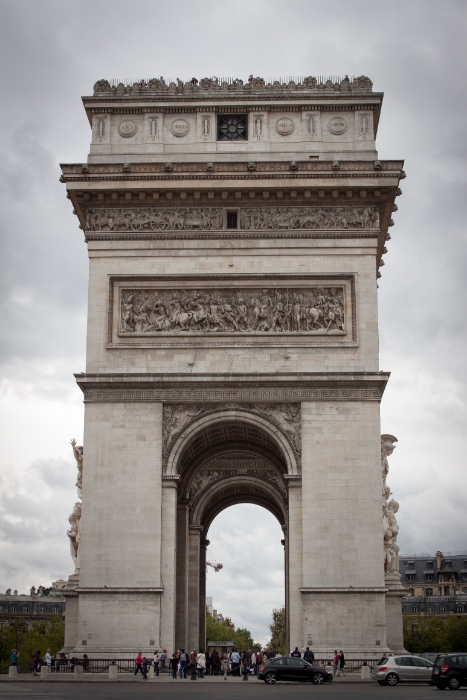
{"x": 390, "y": 508}
{"x": 74, "y": 535}
{"x": 250, "y": 219}
{"x": 78, "y": 454}
{"x": 232, "y": 311}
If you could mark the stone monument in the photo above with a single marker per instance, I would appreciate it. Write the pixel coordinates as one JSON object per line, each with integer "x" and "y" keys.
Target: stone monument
{"x": 235, "y": 232}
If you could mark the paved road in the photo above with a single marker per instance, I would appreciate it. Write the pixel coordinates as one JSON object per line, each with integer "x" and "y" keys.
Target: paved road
{"x": 184, "y": 690}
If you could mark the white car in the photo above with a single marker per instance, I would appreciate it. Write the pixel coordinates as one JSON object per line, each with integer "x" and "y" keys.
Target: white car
{"x": 391, "y": 670}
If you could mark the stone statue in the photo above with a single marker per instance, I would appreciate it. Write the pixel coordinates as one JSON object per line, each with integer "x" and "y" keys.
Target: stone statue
{"x": 78, "y": 454}
{"x": 75, "y": 535}
{"x": 390, "y": 526}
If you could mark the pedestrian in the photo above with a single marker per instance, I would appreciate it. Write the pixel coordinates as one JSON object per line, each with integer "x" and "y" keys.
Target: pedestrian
{"x": 193, "y": 666}
{"x": 225, "y": 665}
{"x": 253, "y": 662}
{"x": 308, "y": 655}
{"x": 163, "y": 660}
{"x": 14, "y": 657}
{"x": 341, "y": 664}
{"x": 139, "y": 663}
{"x": 36, "y": 662}
{"x": 85, "y": 661}
{"x": 157, "y": 660}
{"x": 336, "y": 661}
{"x": 265, "y": 658}
{"x": 173, "y": 663}
{"x": 235, "y": 659}
{"x": 208, "y": 662}
{"x": 145, "y": 665}
{"x": 215, "y": 663}
{"x": 296, "y": 653}
{"x": 201, "y": 663}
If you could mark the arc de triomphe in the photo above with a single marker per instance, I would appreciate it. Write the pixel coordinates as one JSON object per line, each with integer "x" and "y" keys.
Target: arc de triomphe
{"x": 235, "y": 231}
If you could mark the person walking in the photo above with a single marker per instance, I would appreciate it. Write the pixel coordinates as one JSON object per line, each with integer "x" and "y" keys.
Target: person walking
{"x": 201, "y": 663}
{"x": 35, "y": 662}
{"x": 156, "y": 660}
{"x": 139, "y": 663}
{"x": 225, "y": 666}
{"x": 341, "y": 664}
{"x": 296, "y": 653}
{"x": 336, "y": 661}
{"x": 308, "y": 655}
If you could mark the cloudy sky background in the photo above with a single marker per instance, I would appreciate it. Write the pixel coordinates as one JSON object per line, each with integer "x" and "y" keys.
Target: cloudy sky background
{"x": 52, "y": 53}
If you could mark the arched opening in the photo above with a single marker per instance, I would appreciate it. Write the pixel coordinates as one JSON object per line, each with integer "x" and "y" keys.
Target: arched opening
{"x": 246, "y": 539}
{"x": 222, "y": 460}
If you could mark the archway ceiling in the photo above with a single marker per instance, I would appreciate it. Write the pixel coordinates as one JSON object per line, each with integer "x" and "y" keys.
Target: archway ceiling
{"x": 233, "y": 494}
{"x": 230, "y": 435}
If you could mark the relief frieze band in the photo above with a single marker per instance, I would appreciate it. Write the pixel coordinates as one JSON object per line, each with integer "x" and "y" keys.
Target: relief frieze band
{"x": 223, "y": 310}
{"x": 314, "y": 218}
{"x": 237, "y": 311}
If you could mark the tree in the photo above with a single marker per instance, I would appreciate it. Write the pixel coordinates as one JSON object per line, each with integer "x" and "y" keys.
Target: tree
{"x": 225, "y": 631}
{"x": 431, "y": 634}
{"x": 43, "y": 635}
{"x": 277, "y": 629}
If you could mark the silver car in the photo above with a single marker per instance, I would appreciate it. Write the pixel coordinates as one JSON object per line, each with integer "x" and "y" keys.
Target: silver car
{"x": 391, "y": 670}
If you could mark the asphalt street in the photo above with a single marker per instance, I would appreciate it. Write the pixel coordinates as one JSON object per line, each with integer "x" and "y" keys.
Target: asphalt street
{"x": 183, "y": 690}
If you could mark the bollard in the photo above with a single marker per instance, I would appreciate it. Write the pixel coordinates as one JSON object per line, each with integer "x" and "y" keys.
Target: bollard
{"x": 151, "y": 673}
{"x": 13, "y": 673}
{"x": 78, "y": 673}
{"x": 45, "y": 673}
{"x": 365, "y": 673}
{"x": 113, "y": 672}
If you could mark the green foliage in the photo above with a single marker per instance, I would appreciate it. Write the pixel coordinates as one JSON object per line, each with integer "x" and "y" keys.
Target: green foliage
{"x": 277, "y": 629}
{"x": 431, "y": 634}
{"x": 226, "y": 631}
{"x": 43, "y": 635}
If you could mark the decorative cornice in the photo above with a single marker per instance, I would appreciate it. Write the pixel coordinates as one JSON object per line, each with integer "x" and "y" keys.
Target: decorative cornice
{"x": 219, "y": 388}
{"x": 346, "y": 589}
{"x": 118, "y": 589}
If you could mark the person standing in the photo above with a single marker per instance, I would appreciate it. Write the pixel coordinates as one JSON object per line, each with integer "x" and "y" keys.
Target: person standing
{"x": 173, "y": 664}
{"x": 235, "y": 659}
{"x": 296, "y": 653}
{"x": 193, "y": 667}
{"x": 225, "y": 666}
{"x": 157, "y": 660}
{"x": 183, "y": 663}
{"x": 139, "y": 663}
{"x": 163, "y": 660}
{"x": 201, "y": 663}
{"x": 35, "y": 662}
{"x": 145, "y": 668}
{"x": 14, "y": 657}
{"x": 341, "y": 664}
{"x": 336, "y": 661}
{"x": 215, "y": 663}
{"x": 253, "y": 662}
{"x": 208, "y": 662}
{"x": 308, "y": 655}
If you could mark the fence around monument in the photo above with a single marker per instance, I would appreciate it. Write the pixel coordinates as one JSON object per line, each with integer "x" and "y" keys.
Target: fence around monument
{"x": 96, "y": 666}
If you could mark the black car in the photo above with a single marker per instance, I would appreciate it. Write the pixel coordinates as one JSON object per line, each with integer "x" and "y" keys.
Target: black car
{"x": 289, "y": 668}
{"x": 450, "y": 671}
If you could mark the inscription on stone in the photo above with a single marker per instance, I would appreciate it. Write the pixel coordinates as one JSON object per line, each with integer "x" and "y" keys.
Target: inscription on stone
{"x": 285, "y": 126}
{"x": 337, "y": 125}
{"x": 180, "y": 127}
{"x": 227, "y": 310}
{"x": 127, "y": 128}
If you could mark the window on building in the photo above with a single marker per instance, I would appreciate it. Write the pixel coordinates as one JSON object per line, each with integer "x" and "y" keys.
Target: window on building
{"x": 42, "y": 608}
{"x": 460, "y": 608}
{"x": 232, "y": 219}
{"x": 447, "y": 590}
{"x": 442, "y": 608}
{"x": 414, "y": 609}
{"x": 411, "y": 564}
{"x": 13, "y": 608}
{"x": 2, "y": 608}
{"x": 429, "y": 564}
{"x": 232, "y": 127}
{"x": 26, "y": 608}
{"x": 410, "y": 577}
{"x": 55, "y": 608}
{"x": 411, "y": 591}
{"x": 404, "y": 608}
{"x": 430, "y": 608}
{"x": 464, "y": 576}
{"x": 429, "y": 577}
{"x": 447, "y": 563}
{"x": 428, "y": 592}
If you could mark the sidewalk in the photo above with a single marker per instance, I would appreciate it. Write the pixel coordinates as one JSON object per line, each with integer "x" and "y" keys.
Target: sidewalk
{"x": 165, "y": 678}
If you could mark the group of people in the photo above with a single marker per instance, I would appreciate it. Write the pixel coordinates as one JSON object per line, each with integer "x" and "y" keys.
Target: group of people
{"x": 37, "y": 660}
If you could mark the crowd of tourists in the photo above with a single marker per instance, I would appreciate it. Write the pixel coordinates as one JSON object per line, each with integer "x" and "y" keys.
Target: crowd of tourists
{"x": 198, "y": 664}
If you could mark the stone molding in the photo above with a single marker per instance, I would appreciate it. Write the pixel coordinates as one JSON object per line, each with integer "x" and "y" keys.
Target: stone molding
{"x": 224, "y": 236}
{"x": 281, "y": 283}
{"x": 346, "y": 589}
{"x": 118, "y": 589}
{"x": 121, "y": 388}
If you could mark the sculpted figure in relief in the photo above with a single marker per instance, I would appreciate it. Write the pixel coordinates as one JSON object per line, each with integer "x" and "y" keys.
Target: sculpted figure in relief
{"x": 250, "y": 219}
{"x": 78, "y": 454}
{"x": 74, "y": 535}
{"x": 390, "y": 525}
{"x": 232, "y": 311}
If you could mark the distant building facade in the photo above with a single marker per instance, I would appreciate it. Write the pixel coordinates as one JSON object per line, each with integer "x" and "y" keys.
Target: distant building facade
{"x": 39, "y": 605}
{"x": 436, "y": 585}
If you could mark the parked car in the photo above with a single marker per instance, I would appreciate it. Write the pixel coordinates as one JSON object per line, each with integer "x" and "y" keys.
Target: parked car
{"x": 289, "y": 668}
{"x": 391, "y": 670}
{"x": 450, "y": 671}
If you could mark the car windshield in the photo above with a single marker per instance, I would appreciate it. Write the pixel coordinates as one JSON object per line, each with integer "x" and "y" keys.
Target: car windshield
{"x": 382, "y": 661}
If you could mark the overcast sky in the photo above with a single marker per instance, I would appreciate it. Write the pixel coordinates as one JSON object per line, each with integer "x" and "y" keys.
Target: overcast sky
{"x": 52, "y": 53}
